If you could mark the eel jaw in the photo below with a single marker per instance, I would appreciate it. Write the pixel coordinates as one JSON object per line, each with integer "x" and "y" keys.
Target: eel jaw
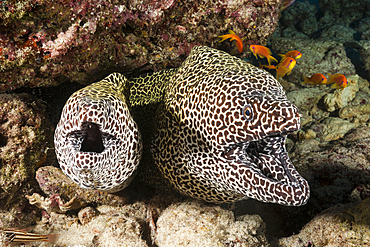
{"x": 268, "y": 162}
{"x": 271, "y": 158}
{"x": 90, "y": 140}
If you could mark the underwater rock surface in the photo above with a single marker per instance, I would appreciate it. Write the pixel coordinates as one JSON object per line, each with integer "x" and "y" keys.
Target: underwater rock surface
{"x": 196, "y": 224}
{"x": 188, "y": 223}
{"x": 53, "y": 181}
{"x": 108, "y": 226}
{"x": 25, "y": 144}
{"x": 47, "y": 43}
{"x": 340, "y": 225}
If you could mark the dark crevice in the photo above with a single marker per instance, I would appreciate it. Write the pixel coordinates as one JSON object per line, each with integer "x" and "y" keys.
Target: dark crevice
{"x": 3, "y": 141}
{"x": 356, "y": 59}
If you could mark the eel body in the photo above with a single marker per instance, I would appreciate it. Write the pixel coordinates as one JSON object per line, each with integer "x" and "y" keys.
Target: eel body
{"x": 221, "y": 132}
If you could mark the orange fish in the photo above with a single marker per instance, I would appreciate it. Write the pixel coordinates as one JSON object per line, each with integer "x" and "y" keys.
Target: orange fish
{"x": 294, "y": 54}
{"x": 339, "y": 80}
{"x": 232, "y": 36}
{"x": 262, "y": 52}
{"x": 269, "y": 66}
{"x": 316, "y": 79}
{"x": 22, "y": 236}
{"x": 285, "y": 67}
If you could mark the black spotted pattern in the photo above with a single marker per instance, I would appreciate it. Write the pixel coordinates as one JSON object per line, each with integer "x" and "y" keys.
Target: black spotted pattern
{"x": 221, "y": 132}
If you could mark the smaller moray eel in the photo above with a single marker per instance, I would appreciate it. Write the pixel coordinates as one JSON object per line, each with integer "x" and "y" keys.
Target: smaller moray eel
{"x": 97, "y": 142}
{"x": 221, "y": 132}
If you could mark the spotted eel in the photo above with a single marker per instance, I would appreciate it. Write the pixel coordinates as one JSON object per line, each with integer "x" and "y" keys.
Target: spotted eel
{"x": 221, "y": 133}
{"x": 97, "y": 142}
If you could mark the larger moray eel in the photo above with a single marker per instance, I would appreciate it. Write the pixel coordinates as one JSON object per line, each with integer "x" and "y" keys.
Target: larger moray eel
{"x": 221, "y": 132}
{"x": 97, "y": 142}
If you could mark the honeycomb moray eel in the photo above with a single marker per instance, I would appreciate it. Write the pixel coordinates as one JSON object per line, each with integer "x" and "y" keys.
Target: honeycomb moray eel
{"x": 221, "y": 131}
{"x": 97, "y": 142}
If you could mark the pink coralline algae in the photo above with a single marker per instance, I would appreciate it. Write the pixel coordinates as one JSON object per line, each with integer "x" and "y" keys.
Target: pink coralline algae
{"x": 44, "y": 43}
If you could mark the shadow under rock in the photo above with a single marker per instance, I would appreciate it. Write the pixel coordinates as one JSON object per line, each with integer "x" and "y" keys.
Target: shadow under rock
{"x": 53, "y": 98}
{"x": 353, "y": 54}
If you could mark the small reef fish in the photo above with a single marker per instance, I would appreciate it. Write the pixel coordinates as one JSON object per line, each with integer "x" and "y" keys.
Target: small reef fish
{"x": 294, "y": 54}
{"x": 262, "y": 52}
{"x": 23, "y": 236}
{"x": 339, "y": 80}
{"x": 232, "y": 36}
{"x": 316, "y": 79}
{"x": 285, "y": 67}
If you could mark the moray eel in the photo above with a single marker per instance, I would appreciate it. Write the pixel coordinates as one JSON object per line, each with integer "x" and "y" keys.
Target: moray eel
{"x": 97, "y": 142}
{"x": 221, "y": 132}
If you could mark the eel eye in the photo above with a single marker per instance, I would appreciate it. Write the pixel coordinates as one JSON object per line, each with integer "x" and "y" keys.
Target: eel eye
{"x": 248, "y": 112}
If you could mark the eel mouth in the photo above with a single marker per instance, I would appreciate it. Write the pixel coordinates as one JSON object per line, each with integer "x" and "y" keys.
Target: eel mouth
{"x": 267, "y": 157}
{"x": 270, "y": 157}
{"x": 90, "y": 148}
{"x": 271, "y": 176}
{"x": 90, "y": 138}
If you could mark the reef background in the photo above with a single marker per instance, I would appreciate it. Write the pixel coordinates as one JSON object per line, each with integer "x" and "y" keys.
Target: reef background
{"x": 49, "y": 50}
{"x": 46, "y": 43}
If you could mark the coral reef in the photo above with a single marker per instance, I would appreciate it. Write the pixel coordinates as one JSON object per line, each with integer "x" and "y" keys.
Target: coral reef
{"x": 50, "y": 42}
{"x": 107, "y": 226}
{"x": 25, "y": 144}
{"x": 195, "y": 224}
{"x": 317, "y": 57}
{"x": 340, "y": 225}
{"x": 54, "y": 183}
{"x": 334, "y": 169}
{"x": 341, "y": 98}
{"x": 189, "y": 223}
{"x": 343, "y": 22}
{"x": 330, "y": 150}
{"x": 55, "y": 203}
{"x": 365, "y": 52}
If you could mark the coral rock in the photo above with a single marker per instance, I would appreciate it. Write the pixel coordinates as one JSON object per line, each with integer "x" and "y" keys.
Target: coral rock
{"x": 107, "y": 226}
{"x": 85, "y": 215}
{"x": 333, "y": 169}
{"x": 25, "y": 143}
{"x": 341, "y": 98}
{"x": 54, "y": 182}
{"x": 340, "y": 225}
{"x": 195, "y": 224}
{"x": 365, "y": 53}
{"x": 48, "y": 42}
{"x": 54, "y": 203}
